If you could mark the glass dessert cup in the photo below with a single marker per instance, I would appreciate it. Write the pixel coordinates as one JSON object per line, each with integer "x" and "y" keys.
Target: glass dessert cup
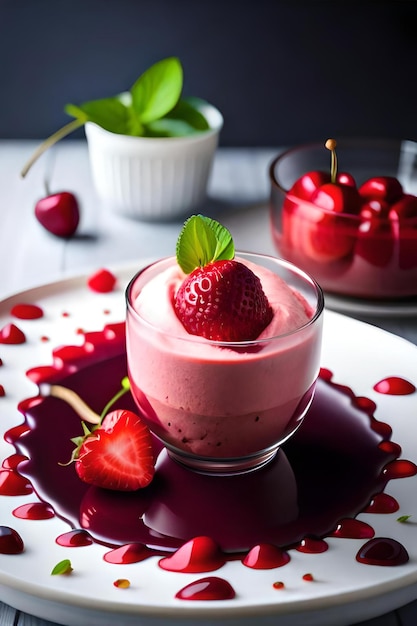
{"x": 375, "y": 259}
{"x": 223, "y": 407}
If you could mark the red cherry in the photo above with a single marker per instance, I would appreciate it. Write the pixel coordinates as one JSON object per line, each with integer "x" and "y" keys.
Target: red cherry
{"x": 385, "y": 188}
{"x": 374, "y": 209}
{"x": 58, "y": 213}
{"x": 375, "y": 242}
{"x": 337, "y": 198}
{"x": 405, "y": 208}
{"x": 307, "y": 184}
{"x": 346, "y": 179}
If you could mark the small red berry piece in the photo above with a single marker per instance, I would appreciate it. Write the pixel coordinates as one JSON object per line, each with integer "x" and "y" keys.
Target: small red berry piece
{"x": 102, "y": 281}
{"x": 223, "y": 301}
{"x": 59, "y": 213}
{"x": 12, "y": 334}
{"x": 117, "y": 455}
{"x": 2, "y": 391}
{"x": 308, "y": 577}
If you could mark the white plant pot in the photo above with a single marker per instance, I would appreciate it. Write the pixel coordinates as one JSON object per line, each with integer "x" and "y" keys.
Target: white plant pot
{"x": 153, "y": 178}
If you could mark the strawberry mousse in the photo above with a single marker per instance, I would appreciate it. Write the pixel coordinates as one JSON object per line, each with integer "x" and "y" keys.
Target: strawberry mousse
{"x": 217, "y": 403}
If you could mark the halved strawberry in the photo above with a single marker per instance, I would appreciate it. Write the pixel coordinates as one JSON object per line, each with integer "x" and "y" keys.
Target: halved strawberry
{"x": 118, "y": 454}
{"x": 223, "y": 301}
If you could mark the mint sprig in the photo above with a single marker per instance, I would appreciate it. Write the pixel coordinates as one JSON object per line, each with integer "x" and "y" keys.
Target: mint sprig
{"x": 152, "y": 107}
{"x": 203, "y": 240}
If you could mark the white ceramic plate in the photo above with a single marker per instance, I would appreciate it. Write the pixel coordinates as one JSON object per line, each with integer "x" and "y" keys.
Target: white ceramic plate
{"x": 343, "y": 591}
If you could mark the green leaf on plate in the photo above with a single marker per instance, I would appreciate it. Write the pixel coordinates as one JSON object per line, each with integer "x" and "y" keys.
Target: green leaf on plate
{"x": 203, "y": 240}
{"x": 403, "y": 518}
{"x": 157, "y": 90}
{"x": 61, "y": 568}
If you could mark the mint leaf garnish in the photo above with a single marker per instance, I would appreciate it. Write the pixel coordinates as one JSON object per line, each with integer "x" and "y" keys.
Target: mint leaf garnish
{"x": 63, "y": 567}
{"x": 157, "y": 90}
{"x": 403, "y": 518}
{"x": 202, "y": 240}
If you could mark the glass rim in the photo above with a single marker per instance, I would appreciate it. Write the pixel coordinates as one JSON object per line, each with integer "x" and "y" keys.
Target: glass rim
{"x": 196, "y": 339}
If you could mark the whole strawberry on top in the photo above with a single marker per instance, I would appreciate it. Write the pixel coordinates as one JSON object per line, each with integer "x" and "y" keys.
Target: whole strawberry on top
{"x": 221, "y": 299}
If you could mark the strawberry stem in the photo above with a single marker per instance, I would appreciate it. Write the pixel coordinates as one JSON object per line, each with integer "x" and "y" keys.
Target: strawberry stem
{"x": 48, "y": 143}
{"x": 125, "y": 388}
{"x": 331, "y": 145}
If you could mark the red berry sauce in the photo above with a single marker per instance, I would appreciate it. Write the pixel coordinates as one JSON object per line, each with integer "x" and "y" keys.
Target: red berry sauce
{"x": 12, "y": 334}
{"x": 395, "y": 386}
{"x": 210, "y": 588}
{"x": 10, "y": 541}
{"x": 25, "y": 311}
{"x": 336, "y": 466}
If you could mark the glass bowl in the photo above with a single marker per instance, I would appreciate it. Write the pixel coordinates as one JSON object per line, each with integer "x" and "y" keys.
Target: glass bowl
{"x": 367, "y": 250}
{"x": 223, "y": 407}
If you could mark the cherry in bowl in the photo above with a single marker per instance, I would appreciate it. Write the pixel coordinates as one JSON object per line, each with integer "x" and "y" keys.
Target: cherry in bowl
{"x": 346, "y": 213}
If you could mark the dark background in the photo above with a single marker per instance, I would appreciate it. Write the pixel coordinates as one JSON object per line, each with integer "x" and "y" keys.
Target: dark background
{"x": 281, "y": 72}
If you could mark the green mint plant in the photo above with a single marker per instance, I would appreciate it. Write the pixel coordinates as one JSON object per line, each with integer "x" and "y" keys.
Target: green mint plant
{"x": 153, "y": 107}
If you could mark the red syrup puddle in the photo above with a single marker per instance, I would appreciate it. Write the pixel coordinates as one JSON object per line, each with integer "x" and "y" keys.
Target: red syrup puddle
{"x": 336, "y": 465}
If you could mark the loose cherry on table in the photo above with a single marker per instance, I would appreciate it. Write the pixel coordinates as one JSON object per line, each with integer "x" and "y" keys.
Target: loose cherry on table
{"x": 59, "y": 213}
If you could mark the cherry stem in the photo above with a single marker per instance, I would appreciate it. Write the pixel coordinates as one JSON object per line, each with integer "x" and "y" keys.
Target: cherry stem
{"x": 331, "y": 145}
{"x": 48, "y": 143}
{"x": 73, "y": 399}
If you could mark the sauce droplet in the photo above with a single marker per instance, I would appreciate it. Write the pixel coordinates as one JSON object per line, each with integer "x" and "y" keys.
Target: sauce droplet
{"x": 13, "y": 484}
{"x": 201, "y": 554}
{"x": 103, "y": 281}
{"x": 10, "y": 541}
{"x": 34, "y": 511}
{"x": 11, "y": 334}
{"x": 211, "y": 588}
{"x": 382, "y": 503}
{"x": 353, "y": 529}
{"x": 401, "y": 468}
{"x": 25, "y": 311}
{"x": 312, "y": 546}
{"x": 129, "y": 553}
{"x": 266, "y": 556}
{"x": 382, "y": 551}
{"x": 75, "y": 539}
{"x": 395, "y": 386}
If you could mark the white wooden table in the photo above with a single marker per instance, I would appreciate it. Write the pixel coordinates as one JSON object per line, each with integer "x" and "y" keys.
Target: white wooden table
{"x": 30, "y": 256}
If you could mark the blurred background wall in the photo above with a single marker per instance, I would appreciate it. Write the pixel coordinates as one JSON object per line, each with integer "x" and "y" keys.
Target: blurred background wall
{"x": 282, "y": 72}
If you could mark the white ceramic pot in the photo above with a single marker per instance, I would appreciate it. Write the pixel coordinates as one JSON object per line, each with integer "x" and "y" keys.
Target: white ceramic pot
{"x": 153, "y": 178}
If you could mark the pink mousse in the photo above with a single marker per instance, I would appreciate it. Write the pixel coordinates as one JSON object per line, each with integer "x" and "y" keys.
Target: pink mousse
{"x": 220, "y": 400}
